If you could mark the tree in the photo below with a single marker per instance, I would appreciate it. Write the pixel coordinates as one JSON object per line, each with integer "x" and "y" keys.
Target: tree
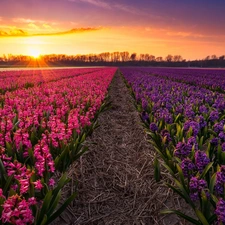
{"x": 169, "y": 58}
{"x": 133, "y": 56}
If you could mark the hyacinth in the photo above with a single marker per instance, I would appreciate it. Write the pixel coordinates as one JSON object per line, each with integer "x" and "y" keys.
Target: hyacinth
{"x": 203, "y": 109}
{"x": 223, "y": 147}
{"x": 38, "y": 185}
{"x": 214, "y": 141}
{"x": 43, "y": 157}
{"x": 182, "y": 150}
{"x": 1, "y": 194}
{"x": 188, "y": 167}
{"x": 153, "y": 127}
{"x": 218, "y": 127}
{"x": 220, "y": 180}
{"x": 201, "y": 121}
{"x": 21, "y": 138}
{"x": 222, "y": 136}
{"x": 220, "y": 211}
{"x": 201, "y": 160}
{"x": 192, "y": 141}
{"x": 214, "y": 115}
{"x": 144, "y": 104}
{"x": 189, "y": 113}
{"x": 145, "y": 116}
{"x": 196, "y": 186}
{"x": 16, "y": 210}
{"x": 165, "y": 133}
{"x": 192, "y": 124}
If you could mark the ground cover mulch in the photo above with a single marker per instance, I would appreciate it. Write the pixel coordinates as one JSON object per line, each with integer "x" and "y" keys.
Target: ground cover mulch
{"x": 115, "y": 176}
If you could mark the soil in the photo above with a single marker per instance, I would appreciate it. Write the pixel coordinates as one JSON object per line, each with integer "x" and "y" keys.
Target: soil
{"x": 115, "y": 176}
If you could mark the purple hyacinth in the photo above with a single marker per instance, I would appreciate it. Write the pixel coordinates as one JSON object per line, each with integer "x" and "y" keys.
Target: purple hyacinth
{"x": 220, "y": 180}
{"x": 188, "y": 168}
{"x": 201, "y": 160}
{"x": 192, "y": 124}
{"x": 165, "y": 133}
{"x": 214, "y": 141}
{"x": 201, "y": 121}
{"x": 192, "y": 141}
{"x": 153, "y": 127}
{"x": 145, "y": 116}
{"x": 218, "y": 127}
{"x": 189, "y": 113}
{"x": 220, "y": 211}
{"x": 222, "y": 135}
{"x": 214, "y": 115}
{"x": 223, "y": 147}
{"x": 144, "y": 103}
{"x": 182, "y": 150}
{"x": 196, "y": 186}
{"x": 203, "y": 109}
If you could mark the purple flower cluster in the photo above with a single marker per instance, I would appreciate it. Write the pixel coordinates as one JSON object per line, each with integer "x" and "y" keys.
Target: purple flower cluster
{"x": 193, "y": 142}
{"x": 188, "y": 167}
{"x": 165, "y": 133}
{"x": 192, "y": 125}
{"x": 220, "y": 211}
{"x": 182, "y": 150}
{"x": 196, "y": 186}
{"x": 218, "y": 127}
{"x": 214, "y": 115}
{"x": 201, "y": 160}
{"x": 153, "y": 127}
{"x": 220, "y": 180}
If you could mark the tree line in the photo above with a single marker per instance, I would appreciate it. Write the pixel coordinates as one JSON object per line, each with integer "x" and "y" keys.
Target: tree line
{"x": 111, "y": 59}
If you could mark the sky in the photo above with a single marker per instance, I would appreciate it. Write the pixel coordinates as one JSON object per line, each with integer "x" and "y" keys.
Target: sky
{"x": 193, "y": 29}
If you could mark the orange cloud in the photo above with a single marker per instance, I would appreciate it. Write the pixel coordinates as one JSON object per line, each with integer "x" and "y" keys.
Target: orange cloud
{"x": 21, "y": 33}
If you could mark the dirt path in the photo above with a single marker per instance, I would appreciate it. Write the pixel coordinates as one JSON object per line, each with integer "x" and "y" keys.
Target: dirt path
{"x": 115, "y": 176}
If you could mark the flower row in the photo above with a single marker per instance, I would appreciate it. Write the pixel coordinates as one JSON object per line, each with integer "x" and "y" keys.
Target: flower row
{"x": 11, "y": 80}
{"x": 42, "y": 130}
{"x": 213, "y": 79}
{"x": 187, "y": 127}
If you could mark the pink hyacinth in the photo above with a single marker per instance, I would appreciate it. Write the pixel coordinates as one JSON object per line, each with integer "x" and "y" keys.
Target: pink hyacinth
{"x": 16, "y": 210}
{"x": 38, "y": 185}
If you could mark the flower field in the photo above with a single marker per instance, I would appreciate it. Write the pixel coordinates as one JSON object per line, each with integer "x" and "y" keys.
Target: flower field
{"x": 184, "y": 115}
{"x": 42, "y": 130}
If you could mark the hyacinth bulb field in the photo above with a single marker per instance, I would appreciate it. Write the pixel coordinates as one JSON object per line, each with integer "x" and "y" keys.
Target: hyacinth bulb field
{"x": 42, "y": 128}
{"x": 184, "y": 115}
{"x": 48, "y": 118}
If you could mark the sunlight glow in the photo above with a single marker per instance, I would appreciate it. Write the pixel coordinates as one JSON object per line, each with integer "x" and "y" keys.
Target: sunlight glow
{"x": 34, "y": 52}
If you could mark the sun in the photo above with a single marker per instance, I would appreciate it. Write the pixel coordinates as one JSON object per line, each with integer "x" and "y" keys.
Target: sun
{"x": 34, "y": 52}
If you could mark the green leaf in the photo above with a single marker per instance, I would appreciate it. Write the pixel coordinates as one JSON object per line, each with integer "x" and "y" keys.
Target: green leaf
{"x": 169, "y": 170}
{"x": 205, "y": 171}
{"x": 7, "y": 185}
{"x": 44, "y": 221}
{"x": 181, "y": 175}
{"x": 9, "y": 148}
{"x": 212, "y": 183}
{"x": 182, "y": 215}
{"x": 212, "y": 219}
{"x": 62, "y": 208}
{"x": 176, "y": 190}
{"x": 45, "y": 206}
{"x": 54, "y": 203}
{"x": 184, "y": 192}
{"x": 201, "y": 217}
{"x": 63, "y": 180}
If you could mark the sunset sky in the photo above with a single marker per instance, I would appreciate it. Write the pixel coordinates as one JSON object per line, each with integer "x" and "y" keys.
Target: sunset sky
{"x": 191, "y": 28}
